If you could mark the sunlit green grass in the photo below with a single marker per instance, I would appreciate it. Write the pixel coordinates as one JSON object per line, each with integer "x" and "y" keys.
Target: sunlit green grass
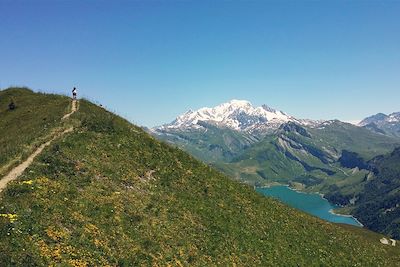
{"x": 27, "y": 126}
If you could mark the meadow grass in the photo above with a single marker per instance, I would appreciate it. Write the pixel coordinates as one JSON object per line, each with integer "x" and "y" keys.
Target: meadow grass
{"x": 27, "y": 126}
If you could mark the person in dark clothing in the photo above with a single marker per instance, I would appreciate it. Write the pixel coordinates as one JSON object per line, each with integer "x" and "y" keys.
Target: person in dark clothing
{"x": 11, "y": 106}
{"x": 74, "y": 93}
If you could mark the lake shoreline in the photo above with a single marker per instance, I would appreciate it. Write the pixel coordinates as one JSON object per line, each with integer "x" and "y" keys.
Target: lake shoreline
{"x": 346, "y": 215}
{"x": 297, "y": 190}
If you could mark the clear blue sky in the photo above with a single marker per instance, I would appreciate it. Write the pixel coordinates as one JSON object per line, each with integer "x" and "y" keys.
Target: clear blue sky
{"x": 152, "y": 60}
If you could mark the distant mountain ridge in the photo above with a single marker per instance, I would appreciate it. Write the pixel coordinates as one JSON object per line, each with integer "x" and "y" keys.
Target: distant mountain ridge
{"x": 235, "y": 136}
{"x": 383, "y": 124}
{"x": 381, "y": 117}
{"x": 242, "y": 116}
{"x": 238, "y": 115}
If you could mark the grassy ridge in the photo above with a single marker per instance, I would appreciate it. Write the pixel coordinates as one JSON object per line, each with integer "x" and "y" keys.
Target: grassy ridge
{"x": 28, "y": 125}
{"x": 109, "y": 194}
{"x": 210, "y": 145}
{"x": 342, "y": 135}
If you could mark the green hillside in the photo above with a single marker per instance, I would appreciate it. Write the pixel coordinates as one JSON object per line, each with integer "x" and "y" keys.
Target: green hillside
{"x": 108, "y": 194}
{"x": 377, "y": 201}
{"x": 35, "y": 117}
{"x": 346, "y": 136}
{"x": 211, "y": 144}
{"x": 312, "y": 157}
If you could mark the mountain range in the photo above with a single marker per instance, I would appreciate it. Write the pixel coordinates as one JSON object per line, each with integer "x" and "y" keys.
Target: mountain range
{"x": 239, "y": 115}
{"x": 261, "y": 146}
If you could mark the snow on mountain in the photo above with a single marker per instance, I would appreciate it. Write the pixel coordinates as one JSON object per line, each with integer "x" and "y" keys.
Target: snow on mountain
{"x": 383, "y": 124}
{"x": 381, "y": 118}
{"x": 373, "y": 119}
{"x": 236, "y": 114}
{"x": 394, "y": 117}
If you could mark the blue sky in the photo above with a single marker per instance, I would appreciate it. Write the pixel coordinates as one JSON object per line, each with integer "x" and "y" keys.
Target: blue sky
{"x": 150, "y": 61}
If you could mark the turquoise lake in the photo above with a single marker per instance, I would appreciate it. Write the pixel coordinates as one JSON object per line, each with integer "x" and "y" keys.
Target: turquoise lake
{"x": 310, "y": 203}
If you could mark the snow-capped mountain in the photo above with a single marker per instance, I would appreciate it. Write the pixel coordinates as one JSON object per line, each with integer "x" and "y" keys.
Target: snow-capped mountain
{"x": 382, "y": 123}
{"x": 239, "y": 115}
{"x": 381, "y": 118}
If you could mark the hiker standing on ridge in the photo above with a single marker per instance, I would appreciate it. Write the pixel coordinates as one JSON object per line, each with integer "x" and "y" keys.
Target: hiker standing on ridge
{"x": 74, "y": 93}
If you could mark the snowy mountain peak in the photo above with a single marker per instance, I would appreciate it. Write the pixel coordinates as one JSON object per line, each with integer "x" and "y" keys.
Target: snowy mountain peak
{"x": 238, "y": 103}
{"x": 381, "y": 118}
{"x": 268, "y": 108}
{"x": 383, "y": 124}
{"x": 236, "y": 114}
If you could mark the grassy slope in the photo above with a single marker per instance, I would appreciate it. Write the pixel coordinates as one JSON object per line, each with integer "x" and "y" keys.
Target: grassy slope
{"x": 293, "y": 158}
{"x": 211, "y": 144}
{"x": 269, "y": 157}
{"x": 28, "y": 125}
{"x": 265, "y": 161}
{"x": 111, "y": 194}
{"x": 357, "y": 139}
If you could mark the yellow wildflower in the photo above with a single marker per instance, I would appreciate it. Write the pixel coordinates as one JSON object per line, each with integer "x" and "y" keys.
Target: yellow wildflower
{"x": 78, "y": 263}
{"x": 44, "y": 249}
{"x": 11, "y": 217}
{"x": 55, "y": 234}
{"x": 91, "y": 228}
{"x": 42, "y": 180}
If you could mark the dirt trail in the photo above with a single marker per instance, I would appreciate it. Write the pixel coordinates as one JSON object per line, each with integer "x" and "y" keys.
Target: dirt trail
{"x": 74, "y": 107}
{"x": 18, "y": 170}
